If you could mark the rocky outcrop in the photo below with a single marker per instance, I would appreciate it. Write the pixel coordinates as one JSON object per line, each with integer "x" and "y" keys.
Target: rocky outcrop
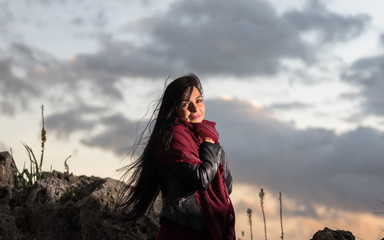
{"x": 329, "y": 234}
{"x": 64, "y": 206}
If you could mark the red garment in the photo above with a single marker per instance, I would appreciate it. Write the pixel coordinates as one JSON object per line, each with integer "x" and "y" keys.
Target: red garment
{"x": 215, "y": 204}
{"x": 208, "y": 129}
{"x": 217, "y": 209}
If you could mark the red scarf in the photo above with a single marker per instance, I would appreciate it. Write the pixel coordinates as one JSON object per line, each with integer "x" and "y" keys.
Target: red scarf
{"x": 215, "y": 204}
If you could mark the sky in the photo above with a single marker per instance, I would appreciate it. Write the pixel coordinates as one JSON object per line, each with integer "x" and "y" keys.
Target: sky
{"x": 295, "y": 87}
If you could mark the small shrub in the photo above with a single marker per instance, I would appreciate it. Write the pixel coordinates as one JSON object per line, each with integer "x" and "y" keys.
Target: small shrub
{"x": 27, "y": 177}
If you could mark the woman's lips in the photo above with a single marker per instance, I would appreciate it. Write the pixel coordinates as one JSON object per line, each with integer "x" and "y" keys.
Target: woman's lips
{"x": 195, "y": 117}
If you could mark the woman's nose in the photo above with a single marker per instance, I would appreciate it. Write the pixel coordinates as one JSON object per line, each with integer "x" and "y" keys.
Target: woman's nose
{"x": 191, "y": 107}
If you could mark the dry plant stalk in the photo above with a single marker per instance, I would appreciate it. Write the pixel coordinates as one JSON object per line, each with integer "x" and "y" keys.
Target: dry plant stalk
{"x": 43, "y": 137}
{"x": 249, "y": 213}
{"x": 281, "y": 216}
{"x": 27, "y": 178}
{"x": 261, "y": 195}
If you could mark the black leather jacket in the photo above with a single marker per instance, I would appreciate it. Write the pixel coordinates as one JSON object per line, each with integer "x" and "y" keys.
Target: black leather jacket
{"x": 180, "y": 181}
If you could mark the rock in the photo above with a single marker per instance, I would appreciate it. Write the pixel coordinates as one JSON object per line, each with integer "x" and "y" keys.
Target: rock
{"x": 329, "y": 234}
{"x": 8, "y": 176}
{"x": 64, "y": 206}
{"x": 8, "y": 170}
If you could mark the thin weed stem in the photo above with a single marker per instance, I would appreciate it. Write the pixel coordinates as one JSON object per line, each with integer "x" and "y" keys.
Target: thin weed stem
{"x": 281, "y": 216}
{"x": 43, "y": 137}
{"x": 27, "y": 178}
{"x": 249, "y": 213}
{"x": 261, "y": 195}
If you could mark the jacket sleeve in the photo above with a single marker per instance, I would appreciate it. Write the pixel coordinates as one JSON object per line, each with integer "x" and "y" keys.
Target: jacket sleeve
{"x": 200, "y": 175}
{"x": 227, "y": 173}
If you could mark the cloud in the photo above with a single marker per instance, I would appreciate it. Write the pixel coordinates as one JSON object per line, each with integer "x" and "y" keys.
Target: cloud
{"x": 77, "y": 119}
{"x": 368, "y": 74}
{"x": 6, "y": 20}
{"x": 313, "y": 166}
{"x": 329, "y": 26}
{"x": 288, "y": 106}
{"x": 211, "y": 38}
{"x": 28, "y": 73}
{"x": 118, "y": 136}
{"x": 14, "y": 89}
{"x": 18, "y": 65}
{"x": 242, "y": 38}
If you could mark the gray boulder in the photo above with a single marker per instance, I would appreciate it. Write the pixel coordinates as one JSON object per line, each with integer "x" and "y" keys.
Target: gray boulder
{"x": 8, "y": 176}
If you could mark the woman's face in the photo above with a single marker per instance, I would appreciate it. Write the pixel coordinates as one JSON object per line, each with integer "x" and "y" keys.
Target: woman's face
{"x": 193, "y": 109}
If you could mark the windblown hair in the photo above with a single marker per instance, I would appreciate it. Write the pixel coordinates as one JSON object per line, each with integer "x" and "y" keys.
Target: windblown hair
{"x": 143, "y": 185}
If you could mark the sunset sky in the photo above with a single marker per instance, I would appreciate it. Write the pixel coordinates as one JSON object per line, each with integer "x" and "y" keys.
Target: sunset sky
{"x": 296, "y": 88}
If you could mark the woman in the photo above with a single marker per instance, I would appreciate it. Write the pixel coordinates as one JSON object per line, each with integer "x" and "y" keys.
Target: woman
{"x": 183, "y": 160}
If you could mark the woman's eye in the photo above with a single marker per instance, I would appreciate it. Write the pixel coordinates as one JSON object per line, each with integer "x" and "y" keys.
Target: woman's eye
{"x": 185, "y": 104}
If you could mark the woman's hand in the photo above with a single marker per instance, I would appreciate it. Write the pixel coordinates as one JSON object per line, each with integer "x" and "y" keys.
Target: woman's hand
{"x": 205, "y": 138}
{"x": 206, "y": 131}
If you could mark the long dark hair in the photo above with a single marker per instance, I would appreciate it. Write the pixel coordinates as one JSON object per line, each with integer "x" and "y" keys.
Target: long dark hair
{"x": 143, "y": 185}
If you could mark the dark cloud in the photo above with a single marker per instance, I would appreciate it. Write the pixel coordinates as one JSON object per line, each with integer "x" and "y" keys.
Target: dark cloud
{"x": 118, "y": 136}
{"x": 27, "y": 73}
{"x": 17, "y": 65}
{"x": 288, "y": 106}
{"x": 239, "y": 38}
{"x": 368, "y": 74}
{"x": 78, "y": 119}
{"x": 330, "y": 27}
{"x": 313, "y": 166}
{"x": 15, "y": 91}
